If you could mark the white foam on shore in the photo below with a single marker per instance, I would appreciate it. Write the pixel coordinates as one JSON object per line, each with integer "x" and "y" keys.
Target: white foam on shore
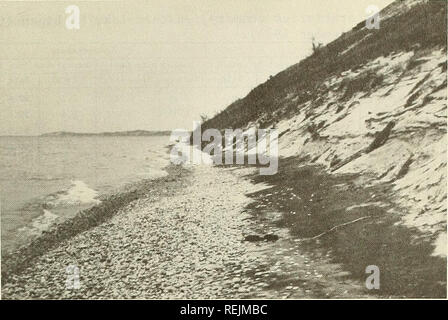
{"x": 44, "y": 221}
{"x": 40, "y": 223}
{"x": 79, "y": 193}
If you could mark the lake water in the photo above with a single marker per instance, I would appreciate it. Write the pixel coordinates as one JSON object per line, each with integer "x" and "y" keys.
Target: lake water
{"x": 47, "y": 179}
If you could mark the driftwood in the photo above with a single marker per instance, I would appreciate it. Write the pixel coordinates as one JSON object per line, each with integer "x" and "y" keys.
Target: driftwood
{"x": 354, "y": 156}
{"x": 334, "y": 228}
{"x": 381, "y": 137}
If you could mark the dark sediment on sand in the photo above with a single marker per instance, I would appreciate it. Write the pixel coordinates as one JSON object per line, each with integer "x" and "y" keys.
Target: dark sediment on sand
{"x": 312, "y": 202}
{"x": 15, "y": 261}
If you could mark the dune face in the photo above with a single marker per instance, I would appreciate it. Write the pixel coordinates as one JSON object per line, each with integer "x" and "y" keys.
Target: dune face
{"x": 373, "y": 103}
{"x": 360, "y": 190}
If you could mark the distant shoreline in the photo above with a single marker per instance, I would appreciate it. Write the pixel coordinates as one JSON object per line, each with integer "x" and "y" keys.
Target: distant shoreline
{"x": 107, "y": 134}
{"x": 133, "y": 133}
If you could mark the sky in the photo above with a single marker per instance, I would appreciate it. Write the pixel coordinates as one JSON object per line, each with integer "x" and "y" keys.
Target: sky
{"x": 150, "y": 65}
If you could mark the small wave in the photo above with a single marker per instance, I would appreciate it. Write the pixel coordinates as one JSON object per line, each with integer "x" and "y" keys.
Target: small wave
{"x": 43, "y": 178}
{"x": 44, "y": 221}
{"x": 78, "y": 193}
{"x": 40, "y": 223}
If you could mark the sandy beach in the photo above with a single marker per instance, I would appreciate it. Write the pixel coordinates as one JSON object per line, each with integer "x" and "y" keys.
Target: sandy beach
{"x": 185, "y": 240}
{"x": 175, "y": 150}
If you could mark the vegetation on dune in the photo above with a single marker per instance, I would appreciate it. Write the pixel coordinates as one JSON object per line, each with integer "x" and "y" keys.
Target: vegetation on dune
{"x": 421, "y": 27}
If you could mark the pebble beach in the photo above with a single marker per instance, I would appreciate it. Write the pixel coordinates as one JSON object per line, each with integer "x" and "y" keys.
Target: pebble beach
{"x": 184, "y": 241}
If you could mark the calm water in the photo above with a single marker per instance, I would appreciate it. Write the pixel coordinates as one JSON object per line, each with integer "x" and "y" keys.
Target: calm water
{"x": 47, "y": 179}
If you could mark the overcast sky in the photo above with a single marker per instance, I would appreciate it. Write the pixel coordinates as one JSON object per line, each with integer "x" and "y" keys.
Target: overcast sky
{"x": 150, "y": 65}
